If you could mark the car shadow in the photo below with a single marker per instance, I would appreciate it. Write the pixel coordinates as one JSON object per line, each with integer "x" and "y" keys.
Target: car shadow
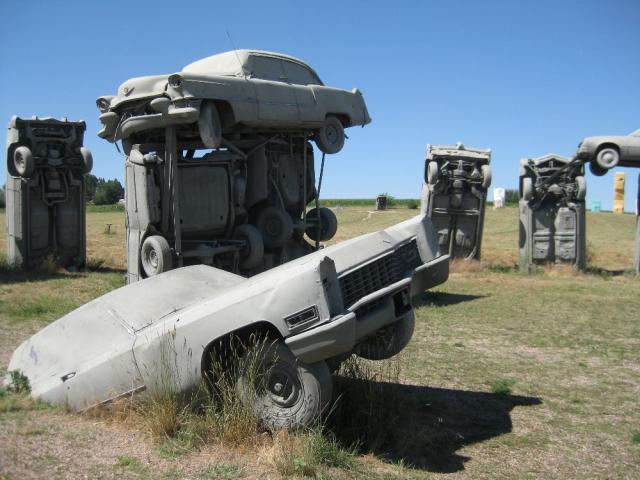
{"x": 421, "y": 426}
{"x": 10, "y": 274}
{"x": 440, "y": 299}
{"x": 603, "y": 272}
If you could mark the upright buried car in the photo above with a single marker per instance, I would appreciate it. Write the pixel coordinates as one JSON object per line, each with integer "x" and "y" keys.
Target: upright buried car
{"x": 46, "y": 164}
{"x": 226, "y": 95}
{"x": 351, "y": 297}
{"x": 552, "y": 211}
{"x": 606, "y": 152}
{"x": 454, "y": 194}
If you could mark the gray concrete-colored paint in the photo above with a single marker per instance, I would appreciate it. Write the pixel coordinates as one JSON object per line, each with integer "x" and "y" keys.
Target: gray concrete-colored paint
{"x": 45, "y": 192}
{"x": 322, "y": 305}
{"x": 454, "y": 195}
{"x": 552, "y": 211}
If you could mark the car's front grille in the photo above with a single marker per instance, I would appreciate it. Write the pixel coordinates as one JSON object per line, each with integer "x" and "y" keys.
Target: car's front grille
{"x": 379, "y": 273}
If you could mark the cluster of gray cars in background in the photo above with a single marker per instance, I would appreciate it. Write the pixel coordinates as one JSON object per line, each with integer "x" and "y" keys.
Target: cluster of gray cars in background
{"x": 219, "y": 163}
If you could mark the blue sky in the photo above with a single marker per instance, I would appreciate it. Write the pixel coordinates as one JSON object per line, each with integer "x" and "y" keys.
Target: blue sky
{"x": 522, "y": 78}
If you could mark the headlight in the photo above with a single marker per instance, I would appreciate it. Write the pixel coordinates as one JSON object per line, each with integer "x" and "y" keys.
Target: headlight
{"x": 103, "y": 104}
{"x": 175, "y": 80}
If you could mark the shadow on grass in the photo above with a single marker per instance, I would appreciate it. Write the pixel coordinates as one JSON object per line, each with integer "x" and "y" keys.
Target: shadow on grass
{"x": 9, "y": 274}
{"x": 424, "y": 426}
{"x": 440, "y": 299}
{"x": 606, "y": 273}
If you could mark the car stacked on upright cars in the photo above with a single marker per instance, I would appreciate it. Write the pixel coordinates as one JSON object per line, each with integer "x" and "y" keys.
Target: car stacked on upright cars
{"x": 220, "y": 168}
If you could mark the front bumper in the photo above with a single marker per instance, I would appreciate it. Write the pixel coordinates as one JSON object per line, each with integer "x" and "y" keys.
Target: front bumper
{"x": 114, "y": 129}
{"x": 369, "y": 314}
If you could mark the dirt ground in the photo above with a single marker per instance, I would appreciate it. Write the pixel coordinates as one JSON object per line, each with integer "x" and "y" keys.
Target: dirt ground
{"x": 566, "y": 346}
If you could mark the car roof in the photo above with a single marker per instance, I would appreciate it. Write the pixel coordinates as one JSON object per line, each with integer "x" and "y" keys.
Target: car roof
{"x": 234, "y": 61}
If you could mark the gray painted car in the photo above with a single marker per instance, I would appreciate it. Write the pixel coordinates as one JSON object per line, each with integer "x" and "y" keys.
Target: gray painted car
{"x": 229, "y": 94}
{"x": 454, "y": 194}
{"x": 606, "y": 152}
{"x": 552, "y": 211}
{"x": 353, "y": 297}
{"x": 46, "y": 164}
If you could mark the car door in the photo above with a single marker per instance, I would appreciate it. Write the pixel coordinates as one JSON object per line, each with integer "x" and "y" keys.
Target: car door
{"x": 634, "y": 146}
{"x": 302, "y": 81}
{"x": 276, "y": 99}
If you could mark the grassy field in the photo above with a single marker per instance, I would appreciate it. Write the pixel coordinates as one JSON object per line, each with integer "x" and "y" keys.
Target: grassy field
{"x": 507, "y": 375}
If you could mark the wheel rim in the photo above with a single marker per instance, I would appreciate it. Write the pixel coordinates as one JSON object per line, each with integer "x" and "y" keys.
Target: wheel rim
{"x": 19, "y": 161}
{"x": 273, "y": 227}
{"x": 282, "y": 386}
{"x": 152, "y": 259}
{"x": 332, "y": 135}
{"x": 608, "y": 157}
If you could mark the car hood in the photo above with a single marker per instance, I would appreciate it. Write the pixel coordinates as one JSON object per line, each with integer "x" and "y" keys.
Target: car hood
{"x": 140, "y": 87}
{"x": 105, "y": 327}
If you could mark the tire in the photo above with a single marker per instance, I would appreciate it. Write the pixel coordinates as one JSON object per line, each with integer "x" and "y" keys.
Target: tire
{"x": 275, "y": 225}
{"x": 388, "y": 341}
{"x": 209, "y": 125}
{"x": 23, "y": 162}
{"x": 155, "y": 255}
{"x": 328, "y": 224}
{"x": 607, "y": 158}
{"x": 282, "y": 391}
{"x": 486, "y": 176}
{"x": 87, "y": 160}
{"x": 527, "y": 189}
{"x": 330, "y": 137}
{"x": 597, "y": 170}
{"x": 432, "y": 173}
{"x": 581, "y": 188}
{"x": 253, "y": 252}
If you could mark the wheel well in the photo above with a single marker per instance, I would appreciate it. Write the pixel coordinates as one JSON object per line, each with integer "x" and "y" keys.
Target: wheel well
{"x": 233, "y": 344}
{"x": 344, "y": 119}
{"x": 608, "y": 145}
{"x": 226, "y": 113}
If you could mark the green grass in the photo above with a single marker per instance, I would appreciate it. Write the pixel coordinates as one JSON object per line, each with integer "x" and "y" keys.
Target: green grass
{"x": 91, "y": 208}
{"x": 571, "y": 342}
{"x": 222, "y": 472}
{"x": 502, "y": 386}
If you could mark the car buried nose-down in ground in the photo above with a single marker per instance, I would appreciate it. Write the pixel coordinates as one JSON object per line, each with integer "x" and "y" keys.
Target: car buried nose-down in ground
{"x": 353, "y": 297}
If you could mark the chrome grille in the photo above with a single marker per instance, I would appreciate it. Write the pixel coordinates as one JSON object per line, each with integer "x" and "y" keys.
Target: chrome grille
{"x": 380, "y": 273}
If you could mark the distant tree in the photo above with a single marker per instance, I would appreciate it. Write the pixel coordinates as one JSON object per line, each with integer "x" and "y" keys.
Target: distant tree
{"x": 511, "y": 196}
{"x": 108, "y": 192}
{"x": 3, "y": 203}
{"x": 90, "y": 185}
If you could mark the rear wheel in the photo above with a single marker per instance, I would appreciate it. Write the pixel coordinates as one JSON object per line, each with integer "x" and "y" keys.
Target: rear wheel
{"x": 209, "y": 125}
{"x": 330, "y": 137}
{"x": 527, "y": 189}
{"x": 432, "y": 173}
{"x": 155, "y": 255}
{"x": 282, "y": 391}
{"x": 607, "y": 158}
{"x": 597, "y": 170}
{"x": 486, "y": 176}
{"x": 23, "y": 162}
{"x": 87, "y": 160}
{"x": 275, "y": 225}
{"x": 328, "y": 224}
{"x": 581, "y": 188}
{"x": 252, "y": 253}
